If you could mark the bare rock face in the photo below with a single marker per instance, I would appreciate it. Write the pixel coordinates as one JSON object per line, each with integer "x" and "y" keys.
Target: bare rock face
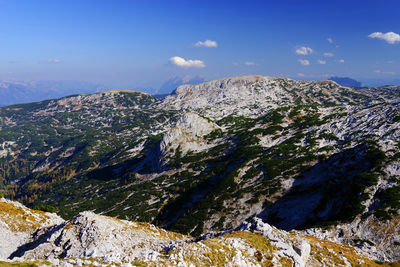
{"x": 297, "y": 249}
{"x": 18, "y": 223}
{"x": 188, "y": 134}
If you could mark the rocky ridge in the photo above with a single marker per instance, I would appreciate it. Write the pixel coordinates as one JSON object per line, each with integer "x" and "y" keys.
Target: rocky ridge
{"x": 90, "y": 239}
{"x": 254, "y": 95}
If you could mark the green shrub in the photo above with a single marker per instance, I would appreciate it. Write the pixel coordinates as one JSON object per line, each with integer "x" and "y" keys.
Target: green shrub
{"x": 46, "y": 208}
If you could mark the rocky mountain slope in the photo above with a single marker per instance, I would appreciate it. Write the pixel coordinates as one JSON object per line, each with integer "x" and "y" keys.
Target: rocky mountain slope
{"x": 91, "y": 239}
{"x": 253, "y": 95}
{"x": 310, "y": 156}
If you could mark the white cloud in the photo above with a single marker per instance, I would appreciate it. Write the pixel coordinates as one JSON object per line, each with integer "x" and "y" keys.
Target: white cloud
{"x": 341, "y": 60}
{"x": 328, "y": 54}
{"x": 181, "y": 62}
{"x": 304, "y": 62}
{"x": 301, "y": 74}
{"x": 206, "y": 43}
{"x": 389, "y": 37}
{"x": 53, "y": 61}
{"x": 249, "y": 63}
{"x": 330, "y": 40}
{"x": 322, "y": 62}
{"x": 304, "y": 51}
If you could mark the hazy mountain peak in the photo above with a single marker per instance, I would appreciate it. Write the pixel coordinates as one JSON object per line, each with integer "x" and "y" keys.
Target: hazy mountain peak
{"x": 346, "y": 81}
{"x": 170, "y": 85}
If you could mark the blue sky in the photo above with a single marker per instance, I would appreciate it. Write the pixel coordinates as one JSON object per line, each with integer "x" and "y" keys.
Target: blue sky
{"x": 129, "y": 44}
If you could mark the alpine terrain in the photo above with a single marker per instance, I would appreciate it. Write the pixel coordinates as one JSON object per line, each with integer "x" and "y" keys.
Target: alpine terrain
{"x": 242, "y": 171}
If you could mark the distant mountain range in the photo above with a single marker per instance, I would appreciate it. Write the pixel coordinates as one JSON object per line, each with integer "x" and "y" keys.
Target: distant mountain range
{"x": 381, "y": 82}
{"x": 346, "y": 81}
{"x": 17, "y": 92}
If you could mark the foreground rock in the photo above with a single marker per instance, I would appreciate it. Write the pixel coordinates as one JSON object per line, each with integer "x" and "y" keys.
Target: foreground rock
{"x": 99, "y": 240}
{"x": 18, "y": 223}
{"x": 379, "y": 239}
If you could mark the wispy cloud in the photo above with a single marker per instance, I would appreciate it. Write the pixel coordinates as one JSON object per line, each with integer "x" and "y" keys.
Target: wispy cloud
{"x": 322, "y": 62}
{"x": 330, "y": 40}
{"x": 206, "y": 43}
{"x": 301, "y": 74}
{"x": 385, "y": 72}
{"x": 304, "y": 51}
{"x": 304, "y": 62}
{"x": 390, "y": 37}
{"x": 52, "y": 61}
{"x": 249, "y": 63}
{"x": 341, "y": 60}
{"x": 190, "y": 63}
{"x": 328, "y": 54}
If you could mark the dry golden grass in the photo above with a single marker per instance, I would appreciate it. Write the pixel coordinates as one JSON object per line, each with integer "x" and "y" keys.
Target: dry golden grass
{"x": 24, "y": 264}
{"x": 330, "y": 253}
{"x": 286, "y": 262}
{"x": 254, "y": 240}
{"x": 18, "y": 219}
